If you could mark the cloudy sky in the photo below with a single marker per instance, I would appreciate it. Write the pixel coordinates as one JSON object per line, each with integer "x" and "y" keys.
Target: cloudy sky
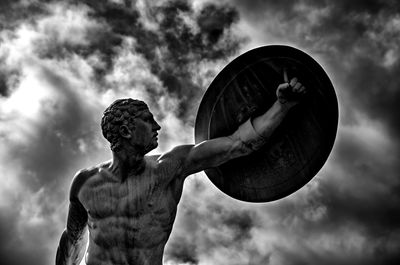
{"x": 63, "y": 62}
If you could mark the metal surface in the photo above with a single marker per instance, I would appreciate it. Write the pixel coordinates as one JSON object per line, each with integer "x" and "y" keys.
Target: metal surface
{"x": 298, "y": 148}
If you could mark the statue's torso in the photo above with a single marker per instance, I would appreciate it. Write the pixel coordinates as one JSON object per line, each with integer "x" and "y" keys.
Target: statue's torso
{"x": 130, "y": 222}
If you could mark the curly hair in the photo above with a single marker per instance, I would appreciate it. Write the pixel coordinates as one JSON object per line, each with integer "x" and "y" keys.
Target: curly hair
{"x": 120, "y": 112}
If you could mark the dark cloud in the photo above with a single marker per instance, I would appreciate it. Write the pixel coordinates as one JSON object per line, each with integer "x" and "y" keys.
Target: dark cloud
{"x": 181, "y": 43}
{"x": 213, "y": 20}
{"x": 19, "y": 245}
{"x": 185, "y": 47}
{"x": 18, "y": 11}
{"x": 362, "y": 35}
{"x": 375, "y": 89}
{"x": 182, "y": 252}
{"x": 286, "y": 7}
{"x": 7, "y": 229}
{"x": 366, "y": 195}
{"x": 4, "y": 91}
{"x": 9, "y": 79}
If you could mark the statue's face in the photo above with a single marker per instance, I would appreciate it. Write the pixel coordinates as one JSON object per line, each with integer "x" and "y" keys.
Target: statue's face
{"x": 144, "y": 134}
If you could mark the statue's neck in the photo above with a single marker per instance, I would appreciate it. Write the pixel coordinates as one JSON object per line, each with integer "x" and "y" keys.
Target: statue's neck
{"x": 127, "y": 162}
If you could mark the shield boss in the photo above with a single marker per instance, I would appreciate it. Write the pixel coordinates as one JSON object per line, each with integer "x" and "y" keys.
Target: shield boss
{"x": 298, "y": 148}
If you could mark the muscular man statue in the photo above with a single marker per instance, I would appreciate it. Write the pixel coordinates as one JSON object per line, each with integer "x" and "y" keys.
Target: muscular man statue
{"x": 129, "y": 203}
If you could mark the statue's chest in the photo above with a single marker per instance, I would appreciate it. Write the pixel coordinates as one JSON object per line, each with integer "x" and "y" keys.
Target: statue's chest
{"x": 132, "y": 198}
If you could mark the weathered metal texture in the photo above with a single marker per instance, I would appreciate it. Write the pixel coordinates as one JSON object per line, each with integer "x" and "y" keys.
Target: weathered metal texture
{"x": 298, "y": 148}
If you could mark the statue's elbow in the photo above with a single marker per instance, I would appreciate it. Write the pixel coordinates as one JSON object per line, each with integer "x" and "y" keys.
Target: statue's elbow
{"x": 62, "y": 248}
{"x": 240, "y": 148}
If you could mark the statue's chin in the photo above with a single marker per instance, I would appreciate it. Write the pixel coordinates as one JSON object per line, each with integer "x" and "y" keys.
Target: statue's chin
{"x": 152, "y": 147}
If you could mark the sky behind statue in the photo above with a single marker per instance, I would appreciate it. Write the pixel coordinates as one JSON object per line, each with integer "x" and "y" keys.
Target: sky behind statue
{"x": 64, "y": 62}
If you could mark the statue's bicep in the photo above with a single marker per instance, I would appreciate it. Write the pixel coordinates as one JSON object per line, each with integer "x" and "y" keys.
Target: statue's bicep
{"x": 77, "y": 218}
{"x": 77, "y": 214}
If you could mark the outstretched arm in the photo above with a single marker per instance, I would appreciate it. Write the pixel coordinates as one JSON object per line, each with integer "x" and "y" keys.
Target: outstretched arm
{"x": 250, "y": 136}
{"x": 73, "y": 240}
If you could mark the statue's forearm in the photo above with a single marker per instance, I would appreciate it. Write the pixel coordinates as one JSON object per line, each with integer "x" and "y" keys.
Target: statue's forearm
{"x": 70, "y": 251}
{"x": 254, "y": 133}
{"x": 266, "y": 124}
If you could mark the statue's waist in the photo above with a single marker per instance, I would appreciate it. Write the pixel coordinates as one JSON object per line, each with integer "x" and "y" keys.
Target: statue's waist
{"x": 128, "y": 256}
{"x": 127, "y": 236}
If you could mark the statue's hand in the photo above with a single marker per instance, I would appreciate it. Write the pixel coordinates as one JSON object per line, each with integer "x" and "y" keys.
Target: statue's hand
{"x": 290, "y": 93}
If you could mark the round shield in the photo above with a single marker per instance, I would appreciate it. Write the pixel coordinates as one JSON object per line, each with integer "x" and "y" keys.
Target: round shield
{"x": 297, "y": 149}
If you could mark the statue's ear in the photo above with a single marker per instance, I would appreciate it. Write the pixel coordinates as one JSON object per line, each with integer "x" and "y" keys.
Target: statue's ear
{"x": 124, "y": 131}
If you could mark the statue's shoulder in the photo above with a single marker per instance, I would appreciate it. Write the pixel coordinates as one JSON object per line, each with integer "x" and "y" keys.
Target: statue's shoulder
{"x": 170, "y": 163}
{"x": 177, "y": 153}
{"x": 82, "y": 176}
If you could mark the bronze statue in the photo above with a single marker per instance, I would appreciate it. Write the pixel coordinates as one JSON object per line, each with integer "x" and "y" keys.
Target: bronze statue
{"x": 129, "y": 203}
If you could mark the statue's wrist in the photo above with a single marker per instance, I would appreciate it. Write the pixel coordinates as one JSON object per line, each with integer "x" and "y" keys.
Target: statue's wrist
{"x": 284, "y": 106}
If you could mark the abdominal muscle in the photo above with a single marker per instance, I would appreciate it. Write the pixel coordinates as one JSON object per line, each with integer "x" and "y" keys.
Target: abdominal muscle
{"x": 128, "y": 240}
{"x": 119, "y": 241}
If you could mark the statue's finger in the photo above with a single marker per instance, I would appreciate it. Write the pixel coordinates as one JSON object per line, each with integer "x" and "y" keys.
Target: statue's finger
{"x": 283, "y": 86}
{"x": 293, "y": 81}
{"x": 285, "y": 76}
{"x": 297, "y": 87}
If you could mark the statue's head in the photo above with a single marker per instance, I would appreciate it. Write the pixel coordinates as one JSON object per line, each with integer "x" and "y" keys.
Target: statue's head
{"x": 130, "y": 122}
